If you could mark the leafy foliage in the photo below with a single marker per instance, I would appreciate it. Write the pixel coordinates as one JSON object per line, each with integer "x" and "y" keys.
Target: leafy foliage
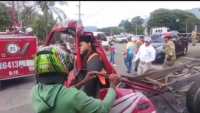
{"x": 133, "y": 26}
{"x": 174, "y": 19}
{"x": 114, "y": 30}
{"x": 30, "y": 13}
{"x": 5, "y": 17}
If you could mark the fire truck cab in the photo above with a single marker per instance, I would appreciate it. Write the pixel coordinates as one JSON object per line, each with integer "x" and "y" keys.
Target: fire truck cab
{"x": 17, "y": 55}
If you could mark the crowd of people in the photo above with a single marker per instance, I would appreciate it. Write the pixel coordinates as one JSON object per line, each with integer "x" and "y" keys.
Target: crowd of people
{"x": 145, "y": 53}
{"x": 140, "y": 53}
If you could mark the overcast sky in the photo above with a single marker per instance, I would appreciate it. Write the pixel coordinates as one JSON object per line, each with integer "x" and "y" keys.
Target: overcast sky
{"x": 105, "y": 14}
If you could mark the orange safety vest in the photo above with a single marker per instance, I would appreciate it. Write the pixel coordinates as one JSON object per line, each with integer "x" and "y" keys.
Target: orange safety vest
{"x": 102, "y": 79}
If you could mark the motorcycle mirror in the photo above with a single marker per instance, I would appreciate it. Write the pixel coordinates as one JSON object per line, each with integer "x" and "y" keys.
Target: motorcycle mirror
{"x": 25, "y": 49}
{"x": 81, "y": 75}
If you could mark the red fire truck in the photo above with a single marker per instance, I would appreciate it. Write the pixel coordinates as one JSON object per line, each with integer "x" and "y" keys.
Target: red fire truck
{"x": 17, "y": 53}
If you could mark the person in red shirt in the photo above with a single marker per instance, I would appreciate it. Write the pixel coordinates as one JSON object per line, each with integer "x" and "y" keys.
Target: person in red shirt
{"x": 112, "y": 51}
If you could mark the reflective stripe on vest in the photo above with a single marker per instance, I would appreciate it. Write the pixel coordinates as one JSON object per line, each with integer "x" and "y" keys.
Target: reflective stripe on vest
{"x": 102, "y": 79}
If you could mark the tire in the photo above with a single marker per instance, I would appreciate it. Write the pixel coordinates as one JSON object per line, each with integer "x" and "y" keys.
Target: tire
{"x": 149, "y": 70}
{"x": 0, "y": 85}
{"x": 193, "y": 98}
{"x": 184, "y": 52}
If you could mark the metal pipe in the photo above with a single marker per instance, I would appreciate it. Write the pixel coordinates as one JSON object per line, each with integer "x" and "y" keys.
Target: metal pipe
{"x": 79, "y": 9}
{"x": 13, "y": 15}
{"x": 132, "y": 83}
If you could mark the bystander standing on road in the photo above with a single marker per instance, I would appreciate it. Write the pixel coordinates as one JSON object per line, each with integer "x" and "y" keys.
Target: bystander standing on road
{"x": 194, "y": 37}
{"x": 170, "y": 55}
{"x": 138, "y": 44}
{"x": 112, "y": 53}
{"x": 128, "y": 55}
{"x": 146, "y": 55}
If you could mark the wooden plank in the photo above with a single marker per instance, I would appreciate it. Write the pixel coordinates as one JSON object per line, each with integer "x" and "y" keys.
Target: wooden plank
{"x": 163, "y": 72}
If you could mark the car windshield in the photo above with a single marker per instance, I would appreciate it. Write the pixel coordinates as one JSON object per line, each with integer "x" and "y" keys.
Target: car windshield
{"x": 157, "y": 38}
{"x": 121, "y": 36}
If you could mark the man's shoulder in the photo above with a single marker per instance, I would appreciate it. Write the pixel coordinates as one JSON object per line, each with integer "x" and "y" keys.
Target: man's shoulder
{"x": 171, "y": 43}
{"x": 129, "y": 44}
{"x": 152, "y": 47}
{"x": 141, "y": 46}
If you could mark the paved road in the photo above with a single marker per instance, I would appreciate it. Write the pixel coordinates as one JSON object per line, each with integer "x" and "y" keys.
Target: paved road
{"x": 14, "y": 98}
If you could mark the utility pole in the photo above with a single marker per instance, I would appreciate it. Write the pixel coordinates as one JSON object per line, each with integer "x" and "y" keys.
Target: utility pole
{"x": 186, "y": 25}
{"x": 111, "y": 31}
{"x": 79, "y": 10}
{"x": 136, "y": 29}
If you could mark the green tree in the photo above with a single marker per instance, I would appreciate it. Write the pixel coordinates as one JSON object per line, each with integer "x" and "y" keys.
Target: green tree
{"x": 174, "y": 19}
{"x": 31, "y": 18}
{"x": 5, "y": 16}
{"x": 49, "y": 7}
{"x": 126, "y": 25}
{"x": 137, "y": 25}
{"x": 114, "y": 30}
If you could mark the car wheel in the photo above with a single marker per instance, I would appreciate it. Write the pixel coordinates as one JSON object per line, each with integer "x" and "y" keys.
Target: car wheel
{"x": 193, "y": 98}
{"x": 0, "y": 85}
{"x": 184, "y": 52}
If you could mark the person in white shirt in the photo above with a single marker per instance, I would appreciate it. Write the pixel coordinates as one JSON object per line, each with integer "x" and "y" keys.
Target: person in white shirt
{"x": 146, "y": 55}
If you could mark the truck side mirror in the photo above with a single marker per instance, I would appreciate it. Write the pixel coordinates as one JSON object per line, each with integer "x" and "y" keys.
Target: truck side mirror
{"x": 25, "y": 49}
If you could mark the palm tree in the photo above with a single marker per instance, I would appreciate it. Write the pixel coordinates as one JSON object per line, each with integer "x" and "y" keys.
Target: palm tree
{"x": 49, "y": 7}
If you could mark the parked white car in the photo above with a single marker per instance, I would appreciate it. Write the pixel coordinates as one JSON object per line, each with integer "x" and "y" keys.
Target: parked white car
{"x": 105, "y": 41}
{"x": 121, "y": 39}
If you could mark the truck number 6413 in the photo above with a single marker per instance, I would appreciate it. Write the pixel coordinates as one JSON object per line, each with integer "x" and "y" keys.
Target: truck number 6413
{"x": 13, "y": 64}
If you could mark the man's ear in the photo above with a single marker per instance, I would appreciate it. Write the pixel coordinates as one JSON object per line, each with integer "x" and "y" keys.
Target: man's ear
{"x": 89, "y": 44}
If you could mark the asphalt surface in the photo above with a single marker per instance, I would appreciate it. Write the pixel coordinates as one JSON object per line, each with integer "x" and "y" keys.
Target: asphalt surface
{"x": 15, "y": 95}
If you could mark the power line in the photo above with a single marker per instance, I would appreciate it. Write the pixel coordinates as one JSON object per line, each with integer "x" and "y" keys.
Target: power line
{"x": 101, "y": 10}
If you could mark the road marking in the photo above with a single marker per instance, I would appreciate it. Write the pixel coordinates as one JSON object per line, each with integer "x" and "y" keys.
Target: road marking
{"x": 191, "y": 58}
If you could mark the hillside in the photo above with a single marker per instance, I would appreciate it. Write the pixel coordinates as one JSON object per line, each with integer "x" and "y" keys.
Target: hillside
{"x": 195, "y": 11}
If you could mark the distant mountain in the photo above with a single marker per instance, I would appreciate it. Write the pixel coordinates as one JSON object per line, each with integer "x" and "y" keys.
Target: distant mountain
{"x": 90, "y": 28}
{"x": 195, "y": 11}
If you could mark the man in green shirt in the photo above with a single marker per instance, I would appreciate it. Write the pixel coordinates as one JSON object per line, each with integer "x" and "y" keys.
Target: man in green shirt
{"x": 52, "y": 66}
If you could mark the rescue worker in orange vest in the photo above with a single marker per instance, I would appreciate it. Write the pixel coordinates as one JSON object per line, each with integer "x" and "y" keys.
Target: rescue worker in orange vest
{"x": 138, "y": 44}
{"x": 194, "y": 37}
{"x": 92, "y": 62}
{"x": 170, "y": 54}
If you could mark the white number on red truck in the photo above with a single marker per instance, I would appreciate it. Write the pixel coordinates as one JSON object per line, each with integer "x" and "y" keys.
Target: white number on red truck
{"x": 15, "y": 72}
{"x": 13, "y": 64}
